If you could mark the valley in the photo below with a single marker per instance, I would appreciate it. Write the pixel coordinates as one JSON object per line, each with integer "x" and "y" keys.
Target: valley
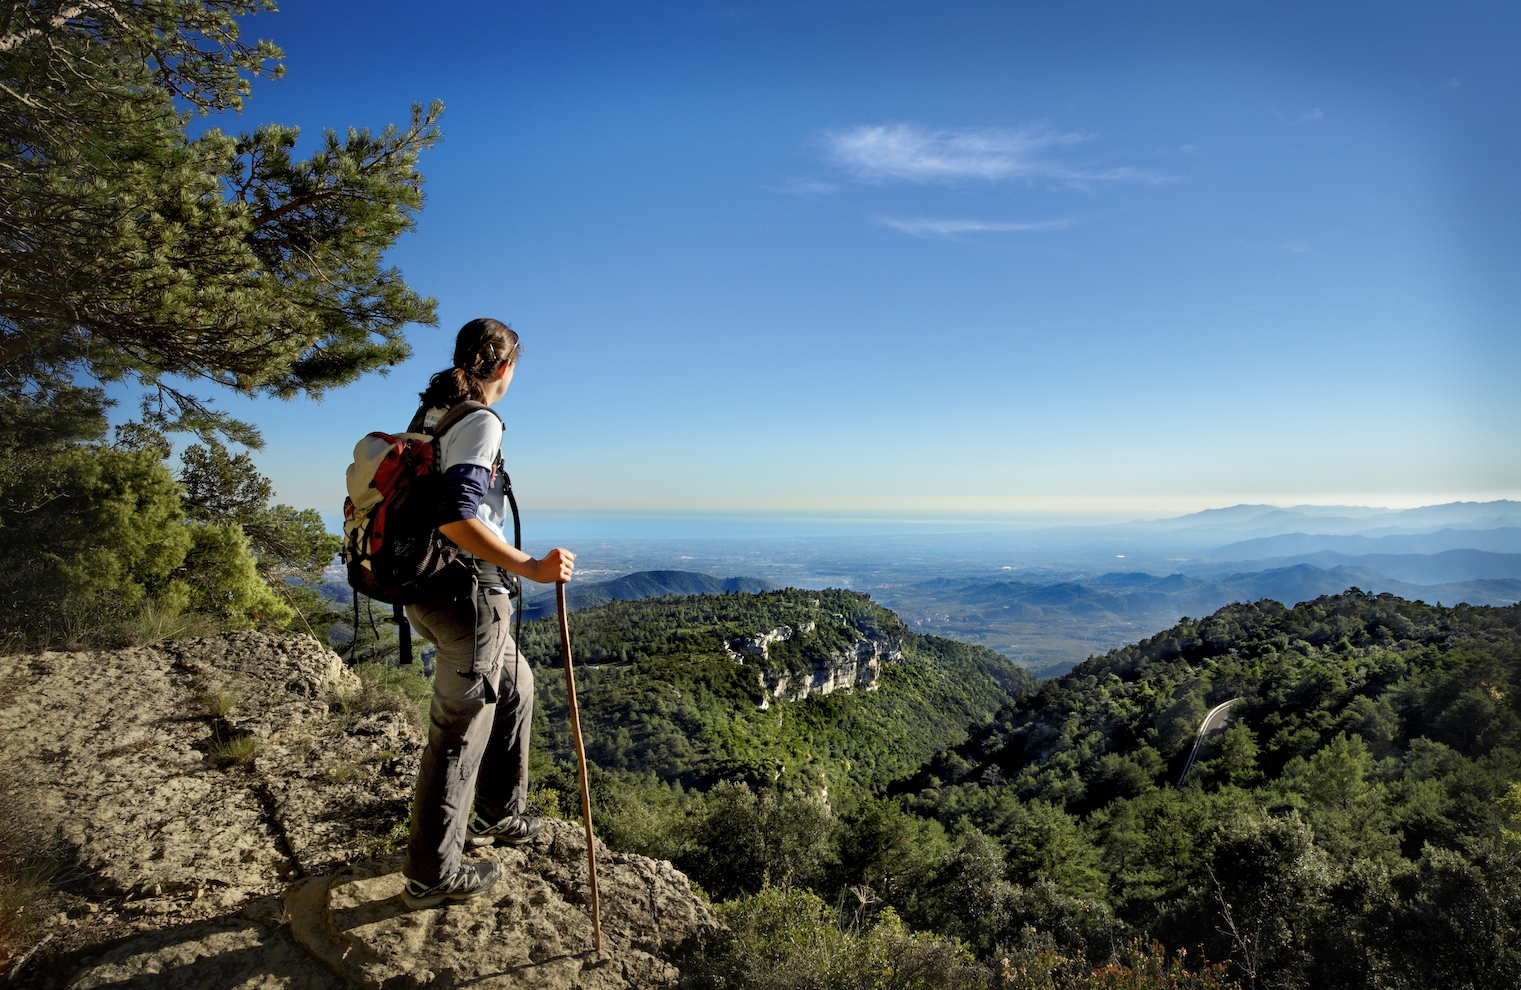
{"x": 1048, "y": 597}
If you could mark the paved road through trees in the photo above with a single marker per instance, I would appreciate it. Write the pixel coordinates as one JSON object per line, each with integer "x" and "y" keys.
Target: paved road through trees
{"x": 1214, "y": 724}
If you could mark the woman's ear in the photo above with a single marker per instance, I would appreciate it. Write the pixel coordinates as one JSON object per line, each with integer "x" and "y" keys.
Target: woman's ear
{"x": 502, "y": 371}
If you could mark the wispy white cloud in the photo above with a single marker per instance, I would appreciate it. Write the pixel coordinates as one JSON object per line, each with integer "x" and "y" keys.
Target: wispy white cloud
{"x": 946, "y": 228}
{"x": 1297, "y": 247}
{"x": 804, "y": 187}
{"x": 1314, "y": 113}
{"x": 918, "y": 154}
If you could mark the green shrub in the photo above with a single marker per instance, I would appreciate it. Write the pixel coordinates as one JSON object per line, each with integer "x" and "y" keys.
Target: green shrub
{"x": 96, "y": 548}
{"x": 89, "y": 533}
{"x": 1140, "y": 966}
{"x": 639, "y": 821}
{"x": 219, "y": 577}
{"x": 784, "y": 938}
{"x": 744, "y": 840}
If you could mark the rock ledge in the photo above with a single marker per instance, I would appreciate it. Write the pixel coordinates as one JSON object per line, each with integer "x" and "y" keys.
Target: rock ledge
{"x": 533, "y": 930}
{"x": 190, "y": 872}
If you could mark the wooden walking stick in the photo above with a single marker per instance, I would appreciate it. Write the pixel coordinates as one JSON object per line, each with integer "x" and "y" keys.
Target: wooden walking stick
{"x": 575, "y": 728}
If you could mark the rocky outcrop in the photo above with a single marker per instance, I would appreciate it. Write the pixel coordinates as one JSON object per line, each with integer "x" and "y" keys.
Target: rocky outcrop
{"x": 759, "y": 645}
{"x": 535, "y": 930}
{"x": 192, "y": 789}
{"x": 859, "y": 666}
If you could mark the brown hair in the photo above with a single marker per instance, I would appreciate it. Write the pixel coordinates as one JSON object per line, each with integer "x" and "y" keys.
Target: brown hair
{"x": 480, "y": 350}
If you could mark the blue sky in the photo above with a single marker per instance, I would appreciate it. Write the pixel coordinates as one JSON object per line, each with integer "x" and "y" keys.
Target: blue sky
{"x": 947, "y": 257}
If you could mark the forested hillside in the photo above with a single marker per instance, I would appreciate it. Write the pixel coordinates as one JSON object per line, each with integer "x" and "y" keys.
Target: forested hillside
{"x": 663, "y": 694}
{"x": 1348, "y": 829}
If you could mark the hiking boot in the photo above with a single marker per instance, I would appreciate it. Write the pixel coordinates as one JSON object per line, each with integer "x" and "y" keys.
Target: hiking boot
{"x": 514, "y": 830}
{"x": 470, "y": 880}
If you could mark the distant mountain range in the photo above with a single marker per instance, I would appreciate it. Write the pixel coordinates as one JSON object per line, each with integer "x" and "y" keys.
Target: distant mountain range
{"x": 1417, "y": 568}
{"x": 1049, "y": 596}
{"x": 540, "y": 600}
{"x": 1500, "y": 540}
{"x": 1271, "y": 520}
{"x": 1050, "y": 626}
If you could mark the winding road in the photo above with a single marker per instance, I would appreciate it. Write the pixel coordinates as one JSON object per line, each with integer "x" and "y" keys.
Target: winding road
{"x": 1214, "y": 724}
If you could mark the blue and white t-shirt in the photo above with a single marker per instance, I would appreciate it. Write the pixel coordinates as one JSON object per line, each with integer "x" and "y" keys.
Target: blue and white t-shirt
{"x": 474, "y": 483}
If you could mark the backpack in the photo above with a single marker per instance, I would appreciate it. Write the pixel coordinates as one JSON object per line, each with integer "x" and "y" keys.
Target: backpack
{"x": 391, "y": 545}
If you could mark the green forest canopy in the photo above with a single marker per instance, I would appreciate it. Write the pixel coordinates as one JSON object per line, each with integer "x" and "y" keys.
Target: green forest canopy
{"x": 133, "y": 252}
{"x": 661, "y": 695}
{"x": 1349, "y": 829}
{"x": 136, "y": 252}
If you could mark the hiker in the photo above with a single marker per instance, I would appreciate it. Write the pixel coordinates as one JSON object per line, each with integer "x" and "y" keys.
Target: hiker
{"x": 482, "y": 710}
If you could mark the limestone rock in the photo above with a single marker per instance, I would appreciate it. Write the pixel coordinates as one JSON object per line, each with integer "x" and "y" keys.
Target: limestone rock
{"x": 760, "y": 644}
{"x": 532, "y": 930}
{"x": 858, "y": 666}
{"x": 232, "y": 954}
{"x": 121, "y": 758}
{"x": 109, "y": 751}
{"x": 335, "y": 786}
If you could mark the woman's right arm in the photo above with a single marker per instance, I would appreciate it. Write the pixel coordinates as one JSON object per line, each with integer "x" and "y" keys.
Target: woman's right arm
{"x": 475, "y": 537}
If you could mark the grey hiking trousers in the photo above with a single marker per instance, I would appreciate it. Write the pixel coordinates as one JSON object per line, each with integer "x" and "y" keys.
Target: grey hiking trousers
{"x": 478, "y": 728}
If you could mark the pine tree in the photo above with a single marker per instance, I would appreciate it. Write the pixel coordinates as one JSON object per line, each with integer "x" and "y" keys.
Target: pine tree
{"x": 131, "y": 251}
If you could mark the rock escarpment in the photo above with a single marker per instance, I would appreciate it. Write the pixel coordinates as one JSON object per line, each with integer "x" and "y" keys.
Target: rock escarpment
{"x": 198, "y": 792}
{"x": 817, "y": 670}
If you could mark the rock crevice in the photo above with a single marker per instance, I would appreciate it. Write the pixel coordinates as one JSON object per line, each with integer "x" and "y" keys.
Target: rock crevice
{"x": 197, "y": 786}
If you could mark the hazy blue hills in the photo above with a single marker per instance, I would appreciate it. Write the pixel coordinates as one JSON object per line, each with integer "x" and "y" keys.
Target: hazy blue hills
{"x": 635, "y": 587}
{"x": 658, "y": 584}
{"x": 1503, "y": 539}
{"x": 1270, "y": 520}
{"x": 1051, "y": 626}
{"x": 1417, "y": 568}
{"x": 1303, "y": 582}
{"x": 1049, "y": 597}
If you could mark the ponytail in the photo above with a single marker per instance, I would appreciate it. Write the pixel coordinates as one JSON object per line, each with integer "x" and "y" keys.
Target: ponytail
{"x": 480, "y": 351}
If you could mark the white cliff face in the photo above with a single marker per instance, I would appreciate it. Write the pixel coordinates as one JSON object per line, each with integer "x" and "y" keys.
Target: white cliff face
{"x": 759, "y": 645}
{"x": 859, "y": 665}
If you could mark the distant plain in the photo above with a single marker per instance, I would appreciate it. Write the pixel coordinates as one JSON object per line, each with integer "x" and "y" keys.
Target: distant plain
{"x": 1048, "y": 596}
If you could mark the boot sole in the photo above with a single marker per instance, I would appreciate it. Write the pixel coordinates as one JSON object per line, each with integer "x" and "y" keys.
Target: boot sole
{"x": 476, "y": 841}
{"x": 420, "y": 903}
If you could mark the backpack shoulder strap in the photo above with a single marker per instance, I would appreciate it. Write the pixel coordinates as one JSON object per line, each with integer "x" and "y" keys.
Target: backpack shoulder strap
{"x": 459, "y": 412}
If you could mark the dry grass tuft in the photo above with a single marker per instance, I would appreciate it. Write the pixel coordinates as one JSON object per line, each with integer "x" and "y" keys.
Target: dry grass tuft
{"x": 385, "y": 689}
{"x": 218, "y": 700}
{"x": 239, "y": 750}
{"x": 345, "y": 771}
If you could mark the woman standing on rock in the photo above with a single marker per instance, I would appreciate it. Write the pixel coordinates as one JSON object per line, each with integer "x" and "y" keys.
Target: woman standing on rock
{"x": 482, "y": 710}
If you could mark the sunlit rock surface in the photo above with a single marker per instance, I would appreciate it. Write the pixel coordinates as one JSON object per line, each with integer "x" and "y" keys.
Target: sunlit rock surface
{"x": 198, "y": 794}
{"x": 859, "y": 666}
{"x": 534, "y": 929}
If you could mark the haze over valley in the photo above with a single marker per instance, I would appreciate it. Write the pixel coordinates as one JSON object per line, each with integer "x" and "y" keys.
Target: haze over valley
{"x": 1050, "y": 596}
